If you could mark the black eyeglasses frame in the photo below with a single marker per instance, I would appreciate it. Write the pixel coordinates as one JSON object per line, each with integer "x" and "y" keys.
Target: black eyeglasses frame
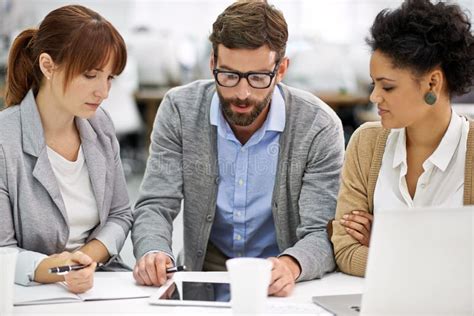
{"x": 272, "y": 74}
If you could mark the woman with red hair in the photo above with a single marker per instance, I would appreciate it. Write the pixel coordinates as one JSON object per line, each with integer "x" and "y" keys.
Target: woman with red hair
{"x": 63, "y": 197}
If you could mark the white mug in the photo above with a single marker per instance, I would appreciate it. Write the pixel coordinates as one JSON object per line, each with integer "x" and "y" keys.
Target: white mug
{"x": 249, "y": 281}
{"x": 7, "y": 277}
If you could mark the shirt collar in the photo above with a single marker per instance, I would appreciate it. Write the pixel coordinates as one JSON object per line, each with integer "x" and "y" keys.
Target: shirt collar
{"x": 275, "y": 120}
{"x": 443, "y": 153}
{"x": 400, "y": 154}
{"x": 449, "y": 143}
{"x": 276, "y": 116}
{"x": 216, "y": 117}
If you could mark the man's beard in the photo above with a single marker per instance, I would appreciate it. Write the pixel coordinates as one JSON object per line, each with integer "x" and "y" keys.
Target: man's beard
{"x": 243, "y": 119}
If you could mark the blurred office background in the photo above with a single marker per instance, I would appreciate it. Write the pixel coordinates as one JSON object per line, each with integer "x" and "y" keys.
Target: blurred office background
{"x": 168, "y": 46}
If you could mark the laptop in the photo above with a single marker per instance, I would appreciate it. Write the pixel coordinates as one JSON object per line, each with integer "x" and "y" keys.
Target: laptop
{"x": 420, "y": 263}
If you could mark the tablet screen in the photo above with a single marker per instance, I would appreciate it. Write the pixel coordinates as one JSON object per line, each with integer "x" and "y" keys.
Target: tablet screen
{"x": 198, "y": 291}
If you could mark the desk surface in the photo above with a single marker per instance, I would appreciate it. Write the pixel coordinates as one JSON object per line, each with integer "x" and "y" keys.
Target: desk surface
{"x": 335, "y": 283}
{"x": 341, "y": 100}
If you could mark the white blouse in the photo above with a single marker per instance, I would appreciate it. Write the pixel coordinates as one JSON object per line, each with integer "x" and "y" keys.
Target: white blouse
{"x": 442, "y": 182}
{"x": 79, "y": 200}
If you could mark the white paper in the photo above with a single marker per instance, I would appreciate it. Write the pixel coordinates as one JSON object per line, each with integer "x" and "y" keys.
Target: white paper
{"x": 104, "y": 289}
{"x": 43, "y": 294}
{"x": 112, "y": 289}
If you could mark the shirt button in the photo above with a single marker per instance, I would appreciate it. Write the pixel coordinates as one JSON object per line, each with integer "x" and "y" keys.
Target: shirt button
{"x": 238, "y": 213}
{"x": 423, "y": 185}
{"x": 242, "y": 149}
{"x": 209, "y": 218}
{"x": 241, "y": 182}
{"x": 199, "y": 253}
{"x": 216, "y": 180}
{"x": 238, "y": 237}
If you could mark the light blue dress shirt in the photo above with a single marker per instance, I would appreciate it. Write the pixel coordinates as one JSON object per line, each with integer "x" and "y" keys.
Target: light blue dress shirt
{"x": 243, "y": 224}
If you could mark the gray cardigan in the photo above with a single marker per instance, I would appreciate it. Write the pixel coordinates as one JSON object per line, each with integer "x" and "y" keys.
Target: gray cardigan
{"x": 32, "y": 213}
{"x": 183, "y": 165}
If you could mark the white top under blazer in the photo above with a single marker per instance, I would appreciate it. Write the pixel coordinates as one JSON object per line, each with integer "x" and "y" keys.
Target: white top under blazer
{"x": 78, "y": 196}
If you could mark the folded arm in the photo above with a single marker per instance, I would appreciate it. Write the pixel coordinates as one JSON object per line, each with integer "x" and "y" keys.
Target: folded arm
{"x": 351, "y": 253}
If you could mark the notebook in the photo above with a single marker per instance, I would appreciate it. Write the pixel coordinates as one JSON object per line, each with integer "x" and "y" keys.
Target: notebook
{"x": 105, "y": 288}
{"x": 420, "y": 262}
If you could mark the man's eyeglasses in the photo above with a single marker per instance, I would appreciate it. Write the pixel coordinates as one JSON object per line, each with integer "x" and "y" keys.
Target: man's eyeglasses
{"x": 257, "y": 80}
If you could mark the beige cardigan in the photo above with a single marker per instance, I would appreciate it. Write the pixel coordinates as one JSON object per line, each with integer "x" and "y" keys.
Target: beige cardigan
{"x": 359, "y": 176}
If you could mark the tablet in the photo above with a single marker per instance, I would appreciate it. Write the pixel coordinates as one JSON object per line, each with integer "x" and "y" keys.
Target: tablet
{"x": 185, "y": 289}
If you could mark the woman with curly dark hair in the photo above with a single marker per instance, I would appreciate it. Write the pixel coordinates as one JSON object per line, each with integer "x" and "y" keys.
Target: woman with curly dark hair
{"x": 421, "y": 153}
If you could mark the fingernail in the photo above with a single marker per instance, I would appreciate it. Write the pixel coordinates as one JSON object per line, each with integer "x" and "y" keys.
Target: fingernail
{"x": 342, "y": 221}
{"x": 345, "y": 216}
{"x": 355, "y": 212}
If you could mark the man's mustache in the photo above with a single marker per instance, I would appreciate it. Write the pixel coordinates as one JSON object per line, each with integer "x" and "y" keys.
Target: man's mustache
{"x": 236, "y": 101}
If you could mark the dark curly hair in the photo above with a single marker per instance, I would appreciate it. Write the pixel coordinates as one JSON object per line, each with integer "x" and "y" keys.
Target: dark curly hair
{"x": 421, "y": 35}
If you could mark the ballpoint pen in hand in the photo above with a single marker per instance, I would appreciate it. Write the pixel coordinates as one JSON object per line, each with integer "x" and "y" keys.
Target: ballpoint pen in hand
{"x": 69, "y": 268}
{"x": 74, "y": 267}
{"x": 175, "y": 269}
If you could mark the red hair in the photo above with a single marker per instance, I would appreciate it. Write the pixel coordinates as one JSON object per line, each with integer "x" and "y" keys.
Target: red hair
{"x": 77, "y": 39}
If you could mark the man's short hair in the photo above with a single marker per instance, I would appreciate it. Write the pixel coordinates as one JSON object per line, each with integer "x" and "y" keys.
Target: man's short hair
{"x": 250, "y": 25}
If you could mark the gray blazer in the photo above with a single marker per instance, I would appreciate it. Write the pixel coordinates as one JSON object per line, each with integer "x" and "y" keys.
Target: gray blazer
{"x": 32, "y": 213}
{"x": 183, "y": 165}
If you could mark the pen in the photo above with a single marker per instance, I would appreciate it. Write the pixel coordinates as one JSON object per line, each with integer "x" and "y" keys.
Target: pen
{"x": 66, "y": 269}
{"x": 175, "y": 269}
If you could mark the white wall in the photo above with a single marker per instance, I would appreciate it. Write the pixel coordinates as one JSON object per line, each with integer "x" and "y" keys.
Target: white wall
{"x": 331, "y": 20}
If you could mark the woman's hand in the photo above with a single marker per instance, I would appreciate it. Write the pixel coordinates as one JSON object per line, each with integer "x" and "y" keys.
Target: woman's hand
{"x": 80, "y": 281}
{"x": 77, "y": 281}
{"x": 358, "y": 224}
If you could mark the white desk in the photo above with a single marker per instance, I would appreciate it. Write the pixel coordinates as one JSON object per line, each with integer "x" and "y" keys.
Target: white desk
{"x": 335, "y": 283}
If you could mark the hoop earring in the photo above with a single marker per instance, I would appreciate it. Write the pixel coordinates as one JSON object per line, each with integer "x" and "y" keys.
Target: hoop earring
{"x": 430, "y": 98}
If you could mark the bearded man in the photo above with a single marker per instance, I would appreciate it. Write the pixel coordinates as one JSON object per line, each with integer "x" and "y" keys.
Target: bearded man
{"x": 256, "y": 162}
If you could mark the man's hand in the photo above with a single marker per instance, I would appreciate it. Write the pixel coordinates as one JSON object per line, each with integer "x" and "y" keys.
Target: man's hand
{"x": 151, "y": 269}
{"x": 358, "y": 224}
{"x": 284, "y": 273}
